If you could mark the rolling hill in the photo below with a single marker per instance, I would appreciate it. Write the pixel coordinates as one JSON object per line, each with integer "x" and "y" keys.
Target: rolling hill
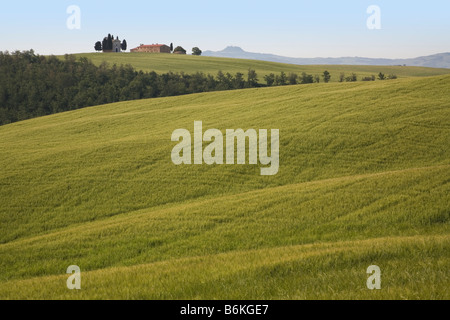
{"x": 364, "y": 180}
{"x": 163, "y": 63}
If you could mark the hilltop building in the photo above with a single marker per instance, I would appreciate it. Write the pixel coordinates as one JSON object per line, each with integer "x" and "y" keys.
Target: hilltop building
{"x": 152, "y": 48}
{"x": 116, "y": 45}
{"x": 109, "y": 44}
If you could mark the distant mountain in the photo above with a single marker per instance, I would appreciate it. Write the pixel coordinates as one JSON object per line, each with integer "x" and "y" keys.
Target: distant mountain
{"x": 441, "y": 60}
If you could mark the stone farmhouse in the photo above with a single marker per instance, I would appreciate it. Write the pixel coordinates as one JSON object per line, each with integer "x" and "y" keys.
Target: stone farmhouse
{"x": 152, "y": 48}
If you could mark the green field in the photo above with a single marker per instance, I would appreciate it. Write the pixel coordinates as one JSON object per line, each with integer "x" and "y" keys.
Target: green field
{"x": 162, "y": 63}
{"x": 364, "y": 180}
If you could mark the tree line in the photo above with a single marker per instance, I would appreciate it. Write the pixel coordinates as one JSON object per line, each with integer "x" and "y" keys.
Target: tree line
{"x": 32, "y": 85}
{"x": 353, "y": 77}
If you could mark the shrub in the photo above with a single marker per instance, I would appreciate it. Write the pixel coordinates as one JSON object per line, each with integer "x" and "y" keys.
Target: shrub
{"x": 371, "y": 78}
{"x": 352, "y": 78}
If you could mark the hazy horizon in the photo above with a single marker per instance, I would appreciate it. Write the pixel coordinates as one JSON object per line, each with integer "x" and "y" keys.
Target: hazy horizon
{"x": 325, "y": 57}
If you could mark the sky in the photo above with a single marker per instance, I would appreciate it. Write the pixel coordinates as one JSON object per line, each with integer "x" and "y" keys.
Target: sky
{"x": 305, "y": 29}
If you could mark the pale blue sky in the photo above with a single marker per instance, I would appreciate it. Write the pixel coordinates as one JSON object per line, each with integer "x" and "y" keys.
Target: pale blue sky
{"x": 290, "y": 28}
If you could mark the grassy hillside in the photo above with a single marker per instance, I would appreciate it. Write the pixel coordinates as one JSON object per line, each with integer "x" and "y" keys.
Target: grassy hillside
{"x": 364, "y": 179}
{"x": 162, "y": 63}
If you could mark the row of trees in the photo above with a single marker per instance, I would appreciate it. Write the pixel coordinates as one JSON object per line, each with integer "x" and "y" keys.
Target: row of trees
{"x": 293, "y": 78}
{"x": 353, "y": 77}
{"x": 33, "y": 85}
{"x": 304, "y": 78}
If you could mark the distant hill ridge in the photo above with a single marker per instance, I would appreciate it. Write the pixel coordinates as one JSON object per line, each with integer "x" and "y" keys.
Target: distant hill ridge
{"x": 440, "y": 60}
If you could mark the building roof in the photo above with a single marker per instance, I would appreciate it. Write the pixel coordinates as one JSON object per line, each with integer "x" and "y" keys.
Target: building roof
{"x": 151, "y": 45}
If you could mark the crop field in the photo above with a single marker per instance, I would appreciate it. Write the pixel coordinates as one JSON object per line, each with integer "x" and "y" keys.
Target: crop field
{"x": 364, "y": 179}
